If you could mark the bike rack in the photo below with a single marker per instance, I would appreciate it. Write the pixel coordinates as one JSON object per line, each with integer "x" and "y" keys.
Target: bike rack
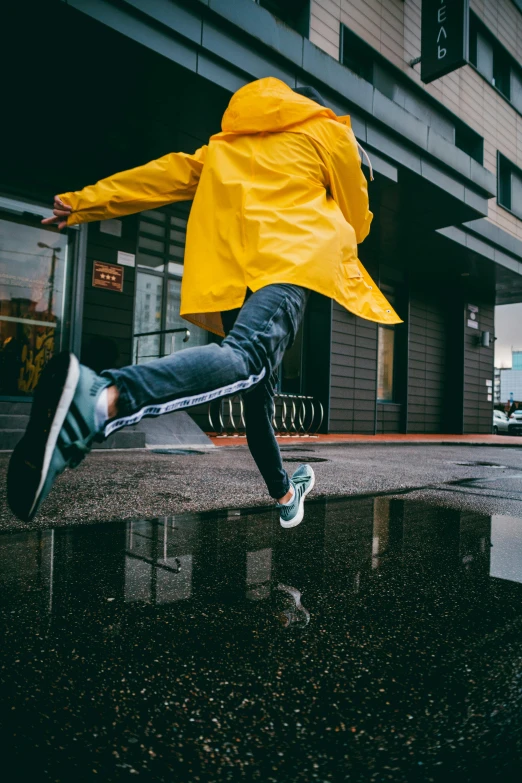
{"x": 293, "y": 415}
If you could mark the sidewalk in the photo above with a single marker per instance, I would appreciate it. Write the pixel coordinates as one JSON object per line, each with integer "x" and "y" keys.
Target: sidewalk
{"x": 142, "y": 484}
{"x": 396, "y": 439}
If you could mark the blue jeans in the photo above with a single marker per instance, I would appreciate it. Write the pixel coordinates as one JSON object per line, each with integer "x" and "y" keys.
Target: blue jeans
{"x": 258, "y": 336}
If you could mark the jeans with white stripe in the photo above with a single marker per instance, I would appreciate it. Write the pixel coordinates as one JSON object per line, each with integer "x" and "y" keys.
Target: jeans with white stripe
{"x": 262, "y": 330}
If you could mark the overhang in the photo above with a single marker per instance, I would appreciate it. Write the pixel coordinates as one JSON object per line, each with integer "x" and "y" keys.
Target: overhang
{"x": 484, "y": 240}
{"x": 231, "y": 43}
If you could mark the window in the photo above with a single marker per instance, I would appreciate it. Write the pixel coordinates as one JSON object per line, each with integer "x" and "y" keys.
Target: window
{"x": 481, "y": 51}
{"x": 294, "y": 13}
{"x": 357, "y": 55}
{"x": 509, "y": 185}
{"x": 161, "y": 247}
{"x": 494, "y": 62}
{"x": 516, "y": 89}
{"x": 386, "y": 354}
{"x": 34, "y": 295}
{"x": 389, "y": 80}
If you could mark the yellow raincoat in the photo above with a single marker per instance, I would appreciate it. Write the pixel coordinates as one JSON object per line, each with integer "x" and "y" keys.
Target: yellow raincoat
{"x": 279, "y": 197}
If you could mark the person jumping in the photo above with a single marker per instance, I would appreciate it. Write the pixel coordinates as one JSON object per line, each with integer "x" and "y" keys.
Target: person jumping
{"x": 279, "y": 205}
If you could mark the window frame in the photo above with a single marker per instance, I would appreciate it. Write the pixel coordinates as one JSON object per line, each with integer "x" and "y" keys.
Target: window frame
{"x": 501, "y": 55}
{"x": 475, "y": 142}
{"x": 505, "y": 165}
{"x": 302, "y": 23}
{"x": 172, "y": 211}
{"x": 393, "y": 399}
{"x": 391, "y": 292}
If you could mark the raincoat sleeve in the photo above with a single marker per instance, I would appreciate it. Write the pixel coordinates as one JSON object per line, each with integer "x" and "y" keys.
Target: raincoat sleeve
{"x": 348, "y": 185}
{"x": 173, "y": 177}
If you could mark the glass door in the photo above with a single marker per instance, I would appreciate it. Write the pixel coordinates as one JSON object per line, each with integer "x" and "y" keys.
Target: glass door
{"x": 33, "y": 297}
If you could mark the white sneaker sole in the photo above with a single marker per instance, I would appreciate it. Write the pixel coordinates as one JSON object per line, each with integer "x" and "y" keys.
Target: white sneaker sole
{"x": 69, "y": 388}
{"x": 300, "y": 512}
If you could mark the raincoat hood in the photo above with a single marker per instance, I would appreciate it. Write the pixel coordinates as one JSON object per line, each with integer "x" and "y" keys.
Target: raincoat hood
{"x": 269, "y": 105}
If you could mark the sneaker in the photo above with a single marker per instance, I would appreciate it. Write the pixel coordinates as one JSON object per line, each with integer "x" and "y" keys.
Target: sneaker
{"x": 292, "y": 513}
{"x": 293, "y": 611}
{"x": 60, "y": 432}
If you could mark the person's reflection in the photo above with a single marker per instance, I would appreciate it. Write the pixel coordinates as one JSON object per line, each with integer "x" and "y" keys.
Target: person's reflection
{"x": 288, "y": 609}
{"x": 299, "y": 570}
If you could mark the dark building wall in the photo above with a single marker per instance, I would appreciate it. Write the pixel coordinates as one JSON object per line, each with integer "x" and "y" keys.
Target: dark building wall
{"x": 426, "y": 360}
{"x": 316, "y": 353}
{"x": 107, "y": 315}
{"x": 353, "y": 373}
{"x": 389, "y": 417}
{"x": 478, "y": 368}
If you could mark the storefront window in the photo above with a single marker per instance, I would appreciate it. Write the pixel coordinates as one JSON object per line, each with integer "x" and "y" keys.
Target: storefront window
{"x": 161, "y": 249}
{"x": 33, "y": 266}
{"x": 147, "y": 316}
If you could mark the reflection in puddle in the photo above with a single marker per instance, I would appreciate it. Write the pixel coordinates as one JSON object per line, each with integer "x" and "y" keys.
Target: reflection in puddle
{"x": 381, "y": 634}
{"x": 156, "y": 571}
{"x": 163, "y": 561}
{"x": 506, "y": 548}
{"x": 158, "y": 561}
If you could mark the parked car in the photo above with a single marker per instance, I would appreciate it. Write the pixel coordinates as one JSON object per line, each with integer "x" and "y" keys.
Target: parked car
{"x": 500, "y": 423}
{"x": 515, "y": 423}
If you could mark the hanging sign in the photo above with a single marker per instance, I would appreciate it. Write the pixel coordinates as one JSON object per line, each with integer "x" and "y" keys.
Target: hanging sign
{"x": 108, "y": 276}
{"x": 444, "y": 37}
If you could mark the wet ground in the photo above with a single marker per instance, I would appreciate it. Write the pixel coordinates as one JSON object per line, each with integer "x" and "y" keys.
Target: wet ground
{"x": 178, "y": 649}
{"x": 127, "y": 485}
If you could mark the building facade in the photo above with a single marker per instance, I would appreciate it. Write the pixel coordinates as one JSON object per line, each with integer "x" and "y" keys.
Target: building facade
{"x": 509, "y": 386}
{"x": 125, "y": 82}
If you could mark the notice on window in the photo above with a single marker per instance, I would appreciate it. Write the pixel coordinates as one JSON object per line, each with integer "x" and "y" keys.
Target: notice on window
{"x": 127, "y": 259}
{"x": 108, "y": 276}
{"x": 112, "y": 227}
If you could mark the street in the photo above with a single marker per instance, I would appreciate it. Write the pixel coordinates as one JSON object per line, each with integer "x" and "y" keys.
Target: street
{"x": 175, "y": 645}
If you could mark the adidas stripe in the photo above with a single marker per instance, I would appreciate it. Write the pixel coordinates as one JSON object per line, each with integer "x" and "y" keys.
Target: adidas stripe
{"x": 183, "y": 402}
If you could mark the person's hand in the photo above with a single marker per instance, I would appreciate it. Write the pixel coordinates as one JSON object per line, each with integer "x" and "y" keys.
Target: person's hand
{"x": 61, "y": 212}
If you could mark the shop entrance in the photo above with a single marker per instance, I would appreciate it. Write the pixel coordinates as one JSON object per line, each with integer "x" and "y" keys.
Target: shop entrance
{"x": 34, "y": 263}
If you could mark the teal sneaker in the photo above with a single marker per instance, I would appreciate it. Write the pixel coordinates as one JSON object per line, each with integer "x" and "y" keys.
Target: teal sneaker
{"x": 60, "y": 432}
{"x": 291, "y": 514}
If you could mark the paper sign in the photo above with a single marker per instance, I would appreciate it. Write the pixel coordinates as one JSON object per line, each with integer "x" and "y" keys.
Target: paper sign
{"x": 126, "y": 259}
{"x": 112, "y": 227}
{"x": 108, "y": 276}
{"x": 472, "y": 324}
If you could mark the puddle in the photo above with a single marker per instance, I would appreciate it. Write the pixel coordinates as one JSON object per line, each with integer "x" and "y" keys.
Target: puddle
{"x": 300, "y": 449}
{"x": 305, "y": 458}
{"x": 176, "y": 451}
{"x": 379, "y": 640}
{"x": 474, "y": 463}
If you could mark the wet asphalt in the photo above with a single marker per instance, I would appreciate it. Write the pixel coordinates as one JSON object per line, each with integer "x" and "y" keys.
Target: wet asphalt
{"x": 380, "y": 640}
{"x": 116, "y": 485}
